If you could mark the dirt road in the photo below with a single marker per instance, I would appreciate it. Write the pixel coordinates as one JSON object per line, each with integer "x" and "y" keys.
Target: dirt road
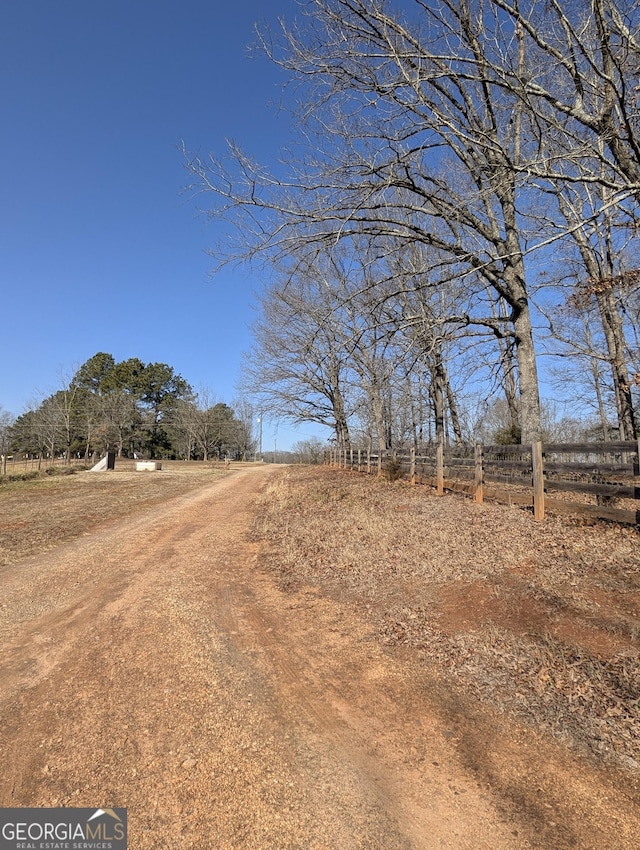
{"x": 155, "y": 665}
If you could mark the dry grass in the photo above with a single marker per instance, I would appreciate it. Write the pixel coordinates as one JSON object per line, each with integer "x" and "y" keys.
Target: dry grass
{"x": 539, "y": 619}
{"x": 40, "y": 513}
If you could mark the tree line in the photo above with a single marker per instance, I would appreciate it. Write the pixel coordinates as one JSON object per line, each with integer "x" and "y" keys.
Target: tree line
{"x": 461, "y": 201}
{"x": 133, "y": 409}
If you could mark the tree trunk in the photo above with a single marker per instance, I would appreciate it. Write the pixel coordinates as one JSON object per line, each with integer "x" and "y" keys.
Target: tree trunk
{"x": 515, "y": 281}
{"x": 437, "y": 399}
{"x": 453, "y": 408}
{"x": 377, "y": 405}
{"x": 530, "y": 427}
{"x": 509, "y": 376}
{"x": 602, "y": 413}
{"x": 600, "y": 268}
{"x": 414, "y": 422}
{"x": 614, "y": 335}
{"x": 341, "y": 426}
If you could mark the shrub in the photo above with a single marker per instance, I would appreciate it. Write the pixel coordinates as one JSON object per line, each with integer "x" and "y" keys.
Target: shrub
{"x": 19, "y": 476}
{"x": 64, "y": 470}
{"x": 508, "y": 436}
{"x": 392, "y": 469}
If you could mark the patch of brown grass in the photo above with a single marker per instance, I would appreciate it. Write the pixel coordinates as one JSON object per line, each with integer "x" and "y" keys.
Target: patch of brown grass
{"x": 542, "y": 620}
{"x": 43, "y": 512}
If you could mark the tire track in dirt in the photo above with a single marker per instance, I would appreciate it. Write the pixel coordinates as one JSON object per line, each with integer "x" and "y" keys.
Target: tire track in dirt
{"x": 174, "y": 678}
{"x": 380, "y": 742}
{"x": 68, "y": 588}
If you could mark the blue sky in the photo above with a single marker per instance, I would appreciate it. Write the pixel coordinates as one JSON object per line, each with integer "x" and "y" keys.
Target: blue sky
{"x": 99, "y": 248}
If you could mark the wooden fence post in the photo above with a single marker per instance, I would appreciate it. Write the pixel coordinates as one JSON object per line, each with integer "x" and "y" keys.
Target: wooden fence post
{"x": 440, "y": 468}
{"x": 368, "y": 460}
{"x": 359, "y": 461}
{"x": 350, "y": 459}
{"x": 379, "y": 464}
{"x": 538, "y": 481}
{"x": 412, "y": 466}
{"x": 479, "y": 478}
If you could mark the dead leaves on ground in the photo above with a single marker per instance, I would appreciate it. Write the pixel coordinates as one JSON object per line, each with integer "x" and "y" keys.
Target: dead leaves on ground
{"x": 396, "y": 550}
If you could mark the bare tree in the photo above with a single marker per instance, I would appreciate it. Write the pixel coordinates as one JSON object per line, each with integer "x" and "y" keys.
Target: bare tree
{"x": 118, "y": 415}
{"x": 309, "y": 451}
{"x": 245, "y": 414}
{"x": 298, "y": 366}
{"x": 67, "y": 401}
{"x": 6, "y": 422}
{"x": 47, "y": 428}
{"x": 601, "y": 281}
{"x": 428, "y": 316}
{"x": 581, "y": 374}
{"x": 415, "y": 138}
{"x": 183, "y": 428}
{"x": 205, "y": 422}
{"x": 578, "y": 83}
{"x": 436, "y": 125}
{"x": 595, "y": 268}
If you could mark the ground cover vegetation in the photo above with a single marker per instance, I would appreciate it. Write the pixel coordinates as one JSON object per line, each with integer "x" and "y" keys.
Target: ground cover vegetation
{"x": 132, "y": 409}
{"x": 454, "y": 226}
{"x": 537, "y": 621}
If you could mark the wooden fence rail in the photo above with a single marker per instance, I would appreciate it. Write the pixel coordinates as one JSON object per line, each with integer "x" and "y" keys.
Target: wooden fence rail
{"x": 600, "y": 480}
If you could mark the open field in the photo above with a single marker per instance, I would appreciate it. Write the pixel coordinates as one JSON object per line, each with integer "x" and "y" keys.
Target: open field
{"x": 542, "y": 621}
{"x": 43, "y": 512}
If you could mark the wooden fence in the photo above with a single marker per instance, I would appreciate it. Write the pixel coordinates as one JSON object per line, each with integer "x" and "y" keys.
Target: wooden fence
{"x": 599, "y": 480}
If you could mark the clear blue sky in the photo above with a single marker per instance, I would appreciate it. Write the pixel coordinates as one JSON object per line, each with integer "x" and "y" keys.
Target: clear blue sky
{"x": 99, "y": 250}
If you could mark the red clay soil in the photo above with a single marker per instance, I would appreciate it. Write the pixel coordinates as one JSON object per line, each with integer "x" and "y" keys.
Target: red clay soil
{"x": 160, "y": 666}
